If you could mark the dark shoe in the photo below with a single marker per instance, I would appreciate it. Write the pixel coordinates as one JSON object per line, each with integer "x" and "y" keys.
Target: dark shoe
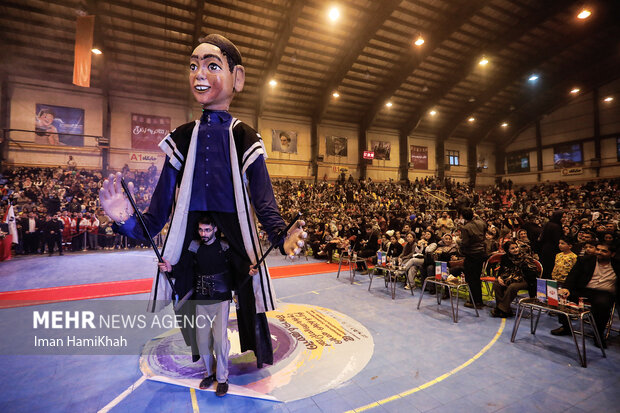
{"x": 195, "y": 357}
{"x": 496, "y": 312}
{"x": 560, "y": 331}
{"x": 364, "y": 272}
{"x": 222, "y": 389}
{"x": 471, "y": 305}
{"x": 208, "y": 382}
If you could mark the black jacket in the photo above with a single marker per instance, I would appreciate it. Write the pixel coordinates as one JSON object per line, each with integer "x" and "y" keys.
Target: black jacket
{"x": 582, "y": 272}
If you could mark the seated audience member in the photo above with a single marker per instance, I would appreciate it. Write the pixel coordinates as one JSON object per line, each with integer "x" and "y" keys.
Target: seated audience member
{"x": 525, "y": 244}
{"x": 596, "y": 279}
{"x": 394, "y": 249}
{"x": 564, "y": 261}
{"x": 369, "y": 247}
{"x": 447, "y": 251}
{"x": 517, "y": 271}
{"x": 491, "y": 245}
{"x": 425, "y": 245}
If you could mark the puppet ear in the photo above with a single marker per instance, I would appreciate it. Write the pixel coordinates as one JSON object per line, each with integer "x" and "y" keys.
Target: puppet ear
{"x": 239, "y": 78}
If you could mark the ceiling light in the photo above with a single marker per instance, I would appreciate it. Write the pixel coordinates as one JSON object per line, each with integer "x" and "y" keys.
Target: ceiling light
{"x": 367, "y": 74}
{"x": 389, "y": 104}
{"x": 334, "y": 14}
{"x": 471, "y": 99}
{"x": 472, "y": 119}
{"x": 273, "y": 83}
{"x": 575, "y": 90}
{"x": 419, "y": 41}
{"x": 533, "y": 78}
{"x": 608, "y": 99}
{"x": 505, "y": 125}
{"x": 96, "y": 51}
{"x": 483, "y": 61}
{"x": 433, "y": 112}
{"x": 336, "y": 94}
{"x": 584, "y": 14}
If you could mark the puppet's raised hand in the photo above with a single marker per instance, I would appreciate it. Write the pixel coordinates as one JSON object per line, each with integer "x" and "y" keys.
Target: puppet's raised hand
{"x": 113, "y": 198}
{"x": 294, "y": 241}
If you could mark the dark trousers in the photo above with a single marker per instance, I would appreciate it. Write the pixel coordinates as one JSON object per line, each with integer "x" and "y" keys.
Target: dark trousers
{"x": 601, "y": 302}
{"x": 253, "y": 328}
{"x": 505, "y": 295}
{"x": 473, "y": 269}
{"x": 52, "y": 240}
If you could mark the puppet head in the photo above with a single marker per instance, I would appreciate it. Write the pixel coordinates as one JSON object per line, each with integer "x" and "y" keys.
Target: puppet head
{"x": 215, "y": 72}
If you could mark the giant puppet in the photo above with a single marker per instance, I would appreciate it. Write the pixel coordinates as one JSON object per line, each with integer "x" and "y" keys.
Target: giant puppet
{"x": 216, "y": 165}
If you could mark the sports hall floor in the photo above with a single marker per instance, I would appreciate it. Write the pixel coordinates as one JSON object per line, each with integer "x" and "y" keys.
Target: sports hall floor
{"x": 421, "y": 360}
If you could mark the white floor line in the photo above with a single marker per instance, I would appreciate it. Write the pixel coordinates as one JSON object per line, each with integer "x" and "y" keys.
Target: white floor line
{"x": 124, "y": 394}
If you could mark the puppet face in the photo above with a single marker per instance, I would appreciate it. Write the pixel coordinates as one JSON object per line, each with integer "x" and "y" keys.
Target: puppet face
{"x": 210, "y": 79}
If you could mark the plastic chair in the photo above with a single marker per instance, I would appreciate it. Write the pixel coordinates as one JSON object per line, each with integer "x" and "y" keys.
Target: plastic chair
{"x": 489, "y": 269}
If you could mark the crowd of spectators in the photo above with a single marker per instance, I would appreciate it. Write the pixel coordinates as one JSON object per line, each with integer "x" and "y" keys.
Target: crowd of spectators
{"x": 416, "y": 223}
{"x": 58, "y": 209}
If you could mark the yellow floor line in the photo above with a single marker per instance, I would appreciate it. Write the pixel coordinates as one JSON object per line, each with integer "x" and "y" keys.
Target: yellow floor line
{"x": 192, "y": 392}
{"x": 438, "y": 379}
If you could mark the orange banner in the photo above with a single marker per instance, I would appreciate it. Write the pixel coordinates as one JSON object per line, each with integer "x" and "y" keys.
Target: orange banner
{"x": 83, "y": 44}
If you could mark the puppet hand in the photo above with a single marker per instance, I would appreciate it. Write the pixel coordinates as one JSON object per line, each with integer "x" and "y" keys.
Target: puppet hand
{"x": 501, "y": 282}
{"x": 113, "y": 199}
{"x": 165, "y": 266}
{"x": 253, "y": 270}
{"x": 294, "y": 241}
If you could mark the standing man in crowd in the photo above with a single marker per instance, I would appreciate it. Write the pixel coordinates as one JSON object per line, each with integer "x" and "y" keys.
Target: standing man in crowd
{"x": 216, "y": 165}
{"x": 52, "y": 233}
{"x": 473, "y": 248}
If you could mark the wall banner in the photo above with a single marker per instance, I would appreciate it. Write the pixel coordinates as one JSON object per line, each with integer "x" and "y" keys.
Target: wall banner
{"x": 148, "y": 130}
{"x": 419, "y": 157}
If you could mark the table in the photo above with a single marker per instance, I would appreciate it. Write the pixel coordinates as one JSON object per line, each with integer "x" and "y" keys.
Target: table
{"x": 390, "y": 277}
{"x": 457, "y": 285}
{"x": 570, "y": 312}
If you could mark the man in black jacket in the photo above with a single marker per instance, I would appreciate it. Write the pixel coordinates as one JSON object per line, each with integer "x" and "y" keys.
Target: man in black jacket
{"x": 595, "y": 278}
{"x": 472, "y": 247}
{"x": 52, "y": 233}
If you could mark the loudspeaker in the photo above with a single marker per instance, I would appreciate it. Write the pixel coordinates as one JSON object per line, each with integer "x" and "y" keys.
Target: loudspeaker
{"x": 320, "y": 158}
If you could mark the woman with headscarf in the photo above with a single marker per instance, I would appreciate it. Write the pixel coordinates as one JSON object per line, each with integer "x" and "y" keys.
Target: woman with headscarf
{"x": 517, "y": 271}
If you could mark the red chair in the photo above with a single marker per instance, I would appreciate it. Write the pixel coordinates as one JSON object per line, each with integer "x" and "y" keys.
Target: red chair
{"x": 489, "y": 270}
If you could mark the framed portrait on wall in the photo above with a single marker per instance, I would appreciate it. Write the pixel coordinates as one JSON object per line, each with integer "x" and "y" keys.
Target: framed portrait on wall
{"x": 336, "y": 146}
{"x": 59, "y": 125}
{"x": 283, "y": 141}
{"x": 419, "y": 157}
{"x": 148, "y": 130}
{"x": 381, "y": 149}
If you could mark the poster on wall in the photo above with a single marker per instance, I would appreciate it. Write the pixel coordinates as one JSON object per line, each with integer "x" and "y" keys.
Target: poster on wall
{"x": 148, "y": 130}
{"x": 283, "y": 141}
{"x": 567, "y": 155}
{"x": 419, "y": 157}
{"x": 59, "y": 125}
{"x": 336, "y": 145}
{"x": 381, "y": 150}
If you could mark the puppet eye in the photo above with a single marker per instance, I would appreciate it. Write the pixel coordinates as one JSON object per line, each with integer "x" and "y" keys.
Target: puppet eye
{"x": 214, "y": 66}
{"x": 192, "y": 66}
